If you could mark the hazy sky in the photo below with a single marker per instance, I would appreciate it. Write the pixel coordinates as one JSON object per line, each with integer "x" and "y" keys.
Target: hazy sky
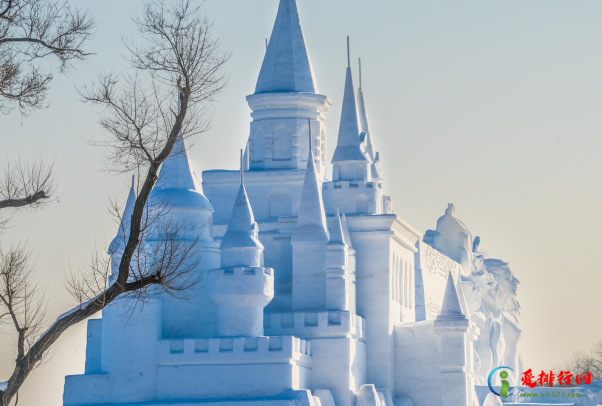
{"x": 493, "y": 106}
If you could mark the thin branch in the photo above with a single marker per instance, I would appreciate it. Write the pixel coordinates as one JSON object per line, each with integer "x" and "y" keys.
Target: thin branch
{"x": 10, "y": 3}
{"x": 151, "y": 254}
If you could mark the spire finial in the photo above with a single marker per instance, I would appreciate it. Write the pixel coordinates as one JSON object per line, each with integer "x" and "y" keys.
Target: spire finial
{"x": 133, "y": 181}
{"x": 360, "y": 61}
{"x": 348, "y": 54}
{"x": 266, "y": 43}
{"x": 242, "y": 172}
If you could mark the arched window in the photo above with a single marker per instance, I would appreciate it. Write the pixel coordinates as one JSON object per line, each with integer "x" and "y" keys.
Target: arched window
{"x": 347, "y": 172}
{"x": 361, "y": 205}
{"x": 282, "y": 146}
{"x": 280, "y": 204}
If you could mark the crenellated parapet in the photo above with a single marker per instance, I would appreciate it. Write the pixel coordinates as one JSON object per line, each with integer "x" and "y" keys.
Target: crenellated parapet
{"x": 353, "y": 197}
{"x": 249, "y": 367}
{"x": 316, "y": 325}
{"x": 226, "y": 350}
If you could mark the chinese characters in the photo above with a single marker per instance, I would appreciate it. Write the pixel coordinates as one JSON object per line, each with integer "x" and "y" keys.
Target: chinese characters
{"x": 563, "y": 378}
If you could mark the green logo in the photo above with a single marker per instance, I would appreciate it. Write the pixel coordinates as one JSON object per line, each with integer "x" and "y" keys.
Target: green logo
{"x": 505, "y": 384}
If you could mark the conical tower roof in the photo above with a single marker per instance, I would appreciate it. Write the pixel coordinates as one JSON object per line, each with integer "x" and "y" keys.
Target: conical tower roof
{"x": 124, "y": 227}
{"x": 242, "y": 229}
{"x": 451, "y": 307}
{"x": 286, "y": 66}
{"x": 178, "y": 180}
{"x": 311, "y": 222}
{"x": 176, "y": 171}
{"x": 349, "y": 143}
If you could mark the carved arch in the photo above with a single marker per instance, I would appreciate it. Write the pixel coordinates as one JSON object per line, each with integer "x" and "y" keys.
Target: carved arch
{"x": 280, "y": 204}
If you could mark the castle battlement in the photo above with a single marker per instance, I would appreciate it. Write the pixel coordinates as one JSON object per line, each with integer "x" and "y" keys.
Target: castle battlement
{"x": 245, "y": 271}
{"x": 353, "y": 197}
{"x": 234, "y": 350}
{"x": 333, "y": 324}
{"x": 351, "y": 184}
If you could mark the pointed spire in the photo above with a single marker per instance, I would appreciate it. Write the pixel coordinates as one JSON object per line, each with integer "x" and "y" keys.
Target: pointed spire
{"x": 124, "y": 227}
{"x": 365, "y": 127}
{"x": 337, "y": 236}
{"x": 451, "y": 309}
{"x": 311, "y": 222}
{"x": 177, "y": 171}
{"x": 346, "y": 231}
{"x": 286, "y": 66}
{"x": 348, "y": 144}
{"x": 242, "y": 230}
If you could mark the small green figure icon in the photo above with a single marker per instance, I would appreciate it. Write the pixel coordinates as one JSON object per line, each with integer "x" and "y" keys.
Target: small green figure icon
{"x": 505, "y": 385}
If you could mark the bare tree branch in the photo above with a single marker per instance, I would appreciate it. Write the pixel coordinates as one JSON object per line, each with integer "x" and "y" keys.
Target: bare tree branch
{"x": 30, "y": 32}
{"x": 8, "y": 6}
{"x": 178, "y": 52}
{"x": 26, "y": 185}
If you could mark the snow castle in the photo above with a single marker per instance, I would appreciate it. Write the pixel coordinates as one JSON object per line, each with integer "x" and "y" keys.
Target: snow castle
{"x": 313, "y": 292}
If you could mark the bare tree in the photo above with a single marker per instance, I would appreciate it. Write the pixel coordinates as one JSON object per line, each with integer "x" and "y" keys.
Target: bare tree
{"x": 142, "y": 124}
{"x": 23, "y": 304}
{"x": 584, "y": 361}
{"x": 32, "y": 31}
{"x": 23, "y": 185}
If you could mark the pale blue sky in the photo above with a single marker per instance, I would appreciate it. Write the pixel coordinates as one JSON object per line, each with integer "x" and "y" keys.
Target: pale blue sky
{"x": 492, "y": 106}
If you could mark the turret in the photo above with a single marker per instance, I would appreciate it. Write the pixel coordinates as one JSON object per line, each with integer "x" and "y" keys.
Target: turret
{"x": 179, "y": 201}
{"x": 309, "y": 245}
{"x": 241, "y": 246}
{"x": 287, "y": 95}
{"x": 456, "y": 334}
{"x": 352, "y": 189}
{"x": 242, "y": 287}
{"x": 350, "y": 160}
{"x": 387, "y": 201}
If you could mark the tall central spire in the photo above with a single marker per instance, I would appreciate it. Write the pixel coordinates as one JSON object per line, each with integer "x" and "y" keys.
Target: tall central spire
{"x": 287, "y": 66}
